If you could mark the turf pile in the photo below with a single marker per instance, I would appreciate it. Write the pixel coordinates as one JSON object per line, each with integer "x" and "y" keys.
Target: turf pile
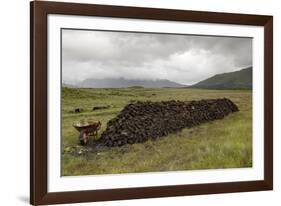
{"x": 140, "y": 121}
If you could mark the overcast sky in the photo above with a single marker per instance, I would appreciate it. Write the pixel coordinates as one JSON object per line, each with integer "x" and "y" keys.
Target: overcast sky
{"x": 184, "y": 59}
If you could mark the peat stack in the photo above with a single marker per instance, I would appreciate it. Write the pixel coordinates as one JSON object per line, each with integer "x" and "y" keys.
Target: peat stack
{"x": 139, "y": 121}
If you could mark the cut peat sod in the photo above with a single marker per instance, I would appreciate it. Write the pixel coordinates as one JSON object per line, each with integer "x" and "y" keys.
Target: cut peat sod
{"x": 141, "y": 121}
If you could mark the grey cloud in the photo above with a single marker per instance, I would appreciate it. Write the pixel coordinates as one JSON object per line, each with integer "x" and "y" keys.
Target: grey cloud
{"x": 181, "y": 58}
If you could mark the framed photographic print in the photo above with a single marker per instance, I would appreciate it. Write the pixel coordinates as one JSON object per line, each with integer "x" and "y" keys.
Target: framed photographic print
{"x": 131, "y": 102}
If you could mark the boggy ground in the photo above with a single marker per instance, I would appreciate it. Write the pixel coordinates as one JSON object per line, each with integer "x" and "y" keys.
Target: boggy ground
{"x": 225, "y": 143}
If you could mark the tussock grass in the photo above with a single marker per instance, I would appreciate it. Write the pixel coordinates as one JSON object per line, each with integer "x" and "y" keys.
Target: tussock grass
{"x": 225, "y": 143}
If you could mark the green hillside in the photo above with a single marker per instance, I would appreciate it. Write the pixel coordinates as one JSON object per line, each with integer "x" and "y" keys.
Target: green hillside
{"x": 241, "y": 79}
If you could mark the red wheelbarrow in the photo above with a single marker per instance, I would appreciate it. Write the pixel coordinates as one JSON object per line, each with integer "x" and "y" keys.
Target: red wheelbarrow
{"x": 87, "y": 130}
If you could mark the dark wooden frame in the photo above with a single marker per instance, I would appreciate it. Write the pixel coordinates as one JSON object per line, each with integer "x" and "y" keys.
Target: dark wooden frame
{"x": 38, "y": 98}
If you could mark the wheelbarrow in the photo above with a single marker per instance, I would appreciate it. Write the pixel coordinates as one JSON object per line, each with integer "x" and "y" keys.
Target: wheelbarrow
{"x": 87, "y": 130}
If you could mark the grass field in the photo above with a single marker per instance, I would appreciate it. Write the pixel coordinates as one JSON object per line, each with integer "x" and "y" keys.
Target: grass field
{"x": 225, "y": 143}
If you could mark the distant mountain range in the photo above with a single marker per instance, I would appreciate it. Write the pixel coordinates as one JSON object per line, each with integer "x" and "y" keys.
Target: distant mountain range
{"x": 68, "y": 85}
{"x": 124, "y": 83}
{"x": 241, "y": 79}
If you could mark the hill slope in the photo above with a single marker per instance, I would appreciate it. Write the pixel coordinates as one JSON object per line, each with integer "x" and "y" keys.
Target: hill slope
{"x": 123, "y": 83}
{"x": 241, "y": 79}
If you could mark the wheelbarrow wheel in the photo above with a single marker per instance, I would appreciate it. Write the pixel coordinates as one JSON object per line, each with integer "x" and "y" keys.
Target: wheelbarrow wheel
{"x": 83, "y": 137}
